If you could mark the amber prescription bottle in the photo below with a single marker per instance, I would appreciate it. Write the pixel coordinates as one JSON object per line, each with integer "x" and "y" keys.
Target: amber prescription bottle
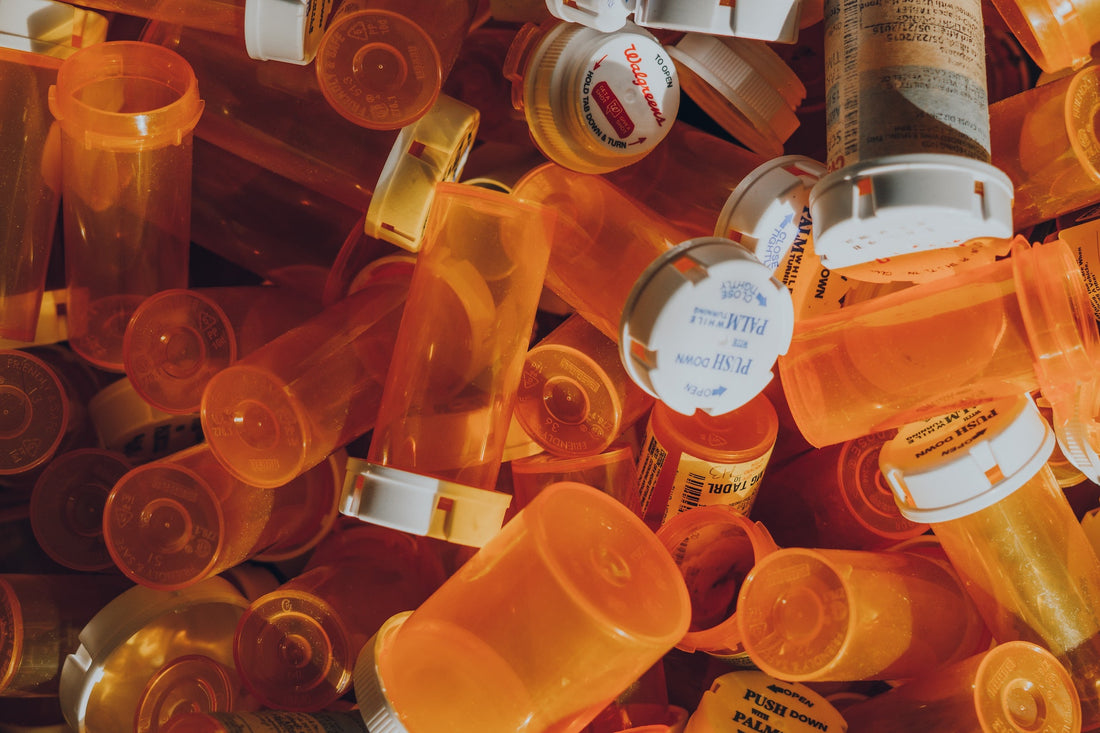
{"x": 1056, "y": 36}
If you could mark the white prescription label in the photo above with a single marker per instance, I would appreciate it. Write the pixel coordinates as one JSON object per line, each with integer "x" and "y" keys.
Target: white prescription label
{"x": 1084, "y": 242}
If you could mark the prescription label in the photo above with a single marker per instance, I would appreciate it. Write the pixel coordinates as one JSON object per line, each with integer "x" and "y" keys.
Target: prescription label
{"x": 1084, "y": 242}
{"x": 905, "y": 77}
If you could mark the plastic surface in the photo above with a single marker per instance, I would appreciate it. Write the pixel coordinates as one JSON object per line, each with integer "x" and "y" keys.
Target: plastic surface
{"x": 276, "y": 30}
{"x": 191, "y": 683}
{"x": 737, "y": 699}
{"x": 809, "y": 614}
{"x": 49, "y": 28}
{"x": 611, "y": 472}
{"x": 381, "y": 63}
{"x": 766, "y": 20}
{"x": 217, "y": 16}
{"x": 126, "y": 423}
{"x": 1055, "y": 35}
{"x": 35, "y": 413}
{"x": 267, "y": 721}
{"x": 125, "y": 148}
{"x": 459, "y": 662}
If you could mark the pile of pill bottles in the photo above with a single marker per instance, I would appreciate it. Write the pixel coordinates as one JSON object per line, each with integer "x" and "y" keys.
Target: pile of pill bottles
{"x": 524, "y": 365}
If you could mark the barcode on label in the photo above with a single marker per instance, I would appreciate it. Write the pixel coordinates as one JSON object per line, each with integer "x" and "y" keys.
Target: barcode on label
{"x": 693, "y": 491}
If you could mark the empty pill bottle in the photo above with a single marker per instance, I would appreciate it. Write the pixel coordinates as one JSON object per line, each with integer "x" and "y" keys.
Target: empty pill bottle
{"x": 271, "y": 30}
{"x": 807, "y": 614}
{"x": 178, "y": 339}
{"x": 289, "y": 404}
{"x": 907, "y": 132}
{"x": 127, "y": 110}
{"x": 382, "y": 63}
{"x": 1056, "y": 35}
{"x": 446, "y": 407}
{"x": 714, "y": 548}
{"x": 701, "y": 460}
{"x": 267, "y": 721}
{"x": 594, "y": 101}
{"x": 984, "y": 487}
{"x": 176, "y": 521}
{"x": 191, "y": 683}
{"x": 124, "y": 646}
{"x": 575, "y": 398}
{"x": 1014, "y": 687}
{"x": 544, "y": 626}
{"x": 42, "y": 616}
{"x": 1045, "y": 139}
{"x": 31, "y": 188}
{"x": 699, "y": 322}
{"x": 296, "y": 646}
{"x": 1010, "y": 327}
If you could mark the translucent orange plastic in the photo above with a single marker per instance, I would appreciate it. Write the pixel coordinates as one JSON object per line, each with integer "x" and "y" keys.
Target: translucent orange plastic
{"x": 266, "y": 721}
{"x": 178, "y": 339}
{"x": 611, "y": 472}
{"x": 1033, "y": 575}
{"x": 834, "y": 497}
{"x": 34, "y": 412}
{"x": 176, "y": 521}
{"x": 807, "y": 614}
{"x": 41, "y": 616}
{"x": 1057, "y": 34}
{"x": 575, "y": 398}
{"x": 449, "y": 393}
{"x": 999, "y": 330}
{"x": 191, "y": 683}
{"x": 66, "y": 507}
{"x": 569, "y": 604}
{"x": 127, "y": 110}
{"x": 30, "y": 190}
{"x": 701, "y": 459}
{"x": 1046, "y": 140}
{"x": 217, "y": 16}
{"x": 288, "y": 405}
{"x": 296, "y": 646}
{"x": 581, "y": 258}
{"x": 1015, "y": 687}
{"x": 381, "y": 63}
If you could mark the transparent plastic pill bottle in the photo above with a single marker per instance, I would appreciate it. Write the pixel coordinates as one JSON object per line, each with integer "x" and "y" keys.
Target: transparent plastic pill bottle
{"x": 1055, "y": 35}
{"x": 983, "y": 485}
{"x": 594, "y": 102}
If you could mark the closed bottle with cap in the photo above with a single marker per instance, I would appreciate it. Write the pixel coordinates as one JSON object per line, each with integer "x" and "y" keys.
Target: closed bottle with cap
{"x": 594, "y": 102}
{"x": 699, "y": 323}
{"x": 979, "y": 478}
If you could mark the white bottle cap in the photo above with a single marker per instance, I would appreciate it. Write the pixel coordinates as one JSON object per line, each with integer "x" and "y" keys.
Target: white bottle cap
{"x": 743, "y": 85}
{"x": 1075, "y": 425}
{"x": 422, "y": 505}
{"x": 703, "y": 326}
{"x": 607, "y": 16}
{"x": 900, "y": 204}
{"x": 284, "y": 30}
{"x": 49, "y": 28}
{"x": 126, "y": 423}
{"x": 962, "y": 462}
{"x": 430, "y": 150}
{"x": 203, "y": 617}
{"x": 370, "y": 691}
{"x": 765, "y": 20}
{"x": 769, "y": 208}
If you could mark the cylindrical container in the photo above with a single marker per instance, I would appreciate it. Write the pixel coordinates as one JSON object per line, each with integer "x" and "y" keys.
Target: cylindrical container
{"x": 984, "y": 487}
{"x": 751, "y": 699}
{"x": 612, "y": 472}
{"x": 126, "y": 423}
{"x": 835, "y": 497}
{"x": 296, "y": 646}
{"x": 178, "y": 339}
{"x": 35, "y": 413}
{"x": 715, "y": 547}
{"x": 275, "y": 116}
{"x": 594, "y": 102}
{"x": 807, "y": 614}
{"x": 32, "y": 188}
{"x": 266, "y": 721}
{"x": 194, "y": 683}
{"x": 1003, "y": 329}
{"x": 289, "y": 404}
{"x": 476, "y": 79}
{"x": 907, "y": 133}
{"x": 129, "y": 642}
{"x": 1046, "y": 140}
{"x": 449, "y": 393}
{"x": 699, "y": 323}
{"x": 176, "y": 521}
{"x": 575, "y": 398}
{"x": 1055, "y": 35}
{"x": 1015, "y": 687}
{"x": 571, "y": 602}
{"x": 127, "y": 110}
{"x": 704, "y": 460}
{"x": 381, "y": 63}
{"x": 41, "y": 616}
{"x": 66, "y": 507}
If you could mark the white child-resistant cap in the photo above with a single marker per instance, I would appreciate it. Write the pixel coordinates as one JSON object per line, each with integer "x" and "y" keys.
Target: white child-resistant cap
{"x": 284, "y": 30}
{"x": 901, "y": 204}
{"x": 703, "y": 326}
{"x": 765, "y": 20}
{"x": 1075, "y": 426}
{"x": 370, "y": 690}
{"x": 962, "y": 462}
{"x": 606, "y": 16}
{"x": 422, "y": 505}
